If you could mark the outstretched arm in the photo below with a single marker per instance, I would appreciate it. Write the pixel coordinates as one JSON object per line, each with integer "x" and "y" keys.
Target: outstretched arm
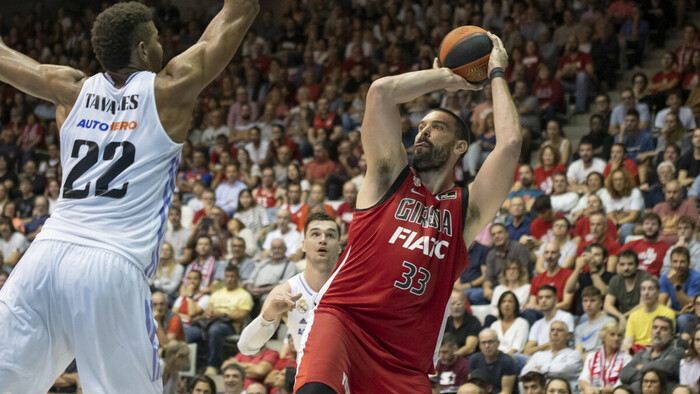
{"x": 57, "y": 84}
{"x": 495, "y": 178}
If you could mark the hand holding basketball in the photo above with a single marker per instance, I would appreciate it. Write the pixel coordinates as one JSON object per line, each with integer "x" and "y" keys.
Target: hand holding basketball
{"x": 459, "y": 83}
{"x": 499, "y": 56}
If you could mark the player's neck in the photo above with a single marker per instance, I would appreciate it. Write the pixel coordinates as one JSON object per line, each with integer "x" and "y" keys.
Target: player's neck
{"x": 120, "y": 77}
{"x": 437, "y": 181}
{"x": 316, "y": 275}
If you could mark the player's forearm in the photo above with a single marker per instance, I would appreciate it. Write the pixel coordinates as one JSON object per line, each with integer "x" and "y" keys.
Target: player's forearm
{"x": 407, "y": 87}
{"x": 256, "y": 335}
{"x": 506, "y": 119}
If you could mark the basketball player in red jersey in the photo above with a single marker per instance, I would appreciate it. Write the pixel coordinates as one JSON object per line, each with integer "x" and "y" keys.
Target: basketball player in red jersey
{"x": 380, "y": 316}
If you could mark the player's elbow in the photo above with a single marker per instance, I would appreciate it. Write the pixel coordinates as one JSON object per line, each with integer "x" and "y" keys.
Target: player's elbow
{"x": 381, "y": 88}
{"x": 512, "y": 144}
{"x": 247, "y": 350}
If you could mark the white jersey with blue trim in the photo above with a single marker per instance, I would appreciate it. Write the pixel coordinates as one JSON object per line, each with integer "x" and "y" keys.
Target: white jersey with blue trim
{"x": 119, "y": 168}
{"x": 298, "y": 317}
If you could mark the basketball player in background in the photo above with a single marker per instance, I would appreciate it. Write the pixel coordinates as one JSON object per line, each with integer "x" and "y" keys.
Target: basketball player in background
{"x": 294, "y": 300}
{"x": 80, "y": 291}
{"x": 378, "y": 322}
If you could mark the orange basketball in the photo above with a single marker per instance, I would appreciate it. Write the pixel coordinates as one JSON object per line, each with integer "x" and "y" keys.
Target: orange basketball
{"x": 466, "y": 51}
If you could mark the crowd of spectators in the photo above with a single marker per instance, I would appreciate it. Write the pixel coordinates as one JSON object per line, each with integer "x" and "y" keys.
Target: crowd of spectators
{"x": 590, "y": 273}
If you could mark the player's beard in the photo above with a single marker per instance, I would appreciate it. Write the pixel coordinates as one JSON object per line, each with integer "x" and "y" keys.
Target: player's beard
{"x": 430, "y": 158}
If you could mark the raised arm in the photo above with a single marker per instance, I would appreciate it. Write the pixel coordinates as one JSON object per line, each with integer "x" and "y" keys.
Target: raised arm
{"x": 57, "y": 84}
{"x": 495, "y": 178}
{"x": 381, "y": 126}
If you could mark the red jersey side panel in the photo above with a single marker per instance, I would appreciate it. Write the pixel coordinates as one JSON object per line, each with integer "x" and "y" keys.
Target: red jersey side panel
{"x": 401, "y": 261}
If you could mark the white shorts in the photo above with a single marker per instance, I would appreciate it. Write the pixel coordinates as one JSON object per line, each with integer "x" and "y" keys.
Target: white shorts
{"x": 65, "y": 301}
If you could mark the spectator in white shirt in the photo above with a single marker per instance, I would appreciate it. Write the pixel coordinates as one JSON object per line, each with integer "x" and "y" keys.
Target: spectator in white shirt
{"x": 563, "y": 201}
{"x": 558, "y": 360}
{"x": 685, "y": 114}
{"x": 284, "y": 230}
{"x": 227, "y": 192}
{"x": 256, "y": 147}
{"x": 580, "y": 169}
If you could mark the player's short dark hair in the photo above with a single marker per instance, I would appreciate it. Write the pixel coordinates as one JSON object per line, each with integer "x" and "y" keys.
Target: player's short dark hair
{"x": 320, "y": 217}
{"x": 591, "y": 291}
{"x": 237, "y": 367}
{"x": 204, "y": 379}
{"x": 448, "y": 339}
{"x": 232, "y": 268}
{"x": 542, "y": 204}
{"x": 534, "y": 376}
{"x": 630, "y": 254}
{"x": 117, "y": 31}
{"x": 462, "y": 130}
{"x": 549, "y": 288}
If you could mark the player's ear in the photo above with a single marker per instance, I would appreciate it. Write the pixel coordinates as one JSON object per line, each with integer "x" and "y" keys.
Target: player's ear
{"x": 461, "y": 147}
{"x": 303, "y": 245}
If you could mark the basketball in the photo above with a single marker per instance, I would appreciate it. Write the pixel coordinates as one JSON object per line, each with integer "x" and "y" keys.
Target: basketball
{"x": 466, "y": 51}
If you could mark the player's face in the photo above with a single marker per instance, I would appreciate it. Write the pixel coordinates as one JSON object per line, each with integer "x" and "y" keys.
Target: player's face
{"x": 322, "y": 242}
{"x": 434, "y": 142}
{"x": 201, "y": 388}
{"x": 232, "y": 379}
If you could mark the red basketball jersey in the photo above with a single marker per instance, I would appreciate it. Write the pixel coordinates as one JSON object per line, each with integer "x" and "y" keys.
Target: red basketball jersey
{"x": 265, "y": 198}
{"x": 396, "y": 274}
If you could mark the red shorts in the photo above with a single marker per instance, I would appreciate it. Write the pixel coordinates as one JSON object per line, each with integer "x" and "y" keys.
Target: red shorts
{"x": 339, "y": 354}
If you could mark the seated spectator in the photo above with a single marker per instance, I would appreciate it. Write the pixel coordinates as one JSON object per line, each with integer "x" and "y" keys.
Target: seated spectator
{"x": 578, "y": 171}
{"x": 660, "y": 356}
{"x": 624, "y": 290}
{"x": 473, "y": 277}
{"x": 480, "y": 149}
{"x": 556, "y": 139}
{"x": 202, "y": 384}
{"x": 316, "y": 197}
{"x": 685, "y": 227}
{"x": 256, "y": 366}
{"x": 598, "y": 223}
{"x": 666, "y": 79}
{"x": 236, "y": 228}
{"x": 566, "y": 247}
{"x": 554, "y": 275}
{"x": 691, "y": 74}
{"x": 252, "y": 215}
{"x": 240, "y": 259}
{"x": 549, "y": 93}
{"x": 25, "y": 201}
{"x": 256, "y": 388}
{"x": 518, "y": 223}
{"x": 39, "y": 216}
{"x": 224, "y": 316}
{"x": 176, "y": 234}
{"x": 582, "y": 228}
{"x": 527, "y": 189}
{"x": 541, "y": 227}
{"x": 198, "y": 173}
{"x": 502, "y": 250}
{"x": 629, "y": 101}
{"x": 501, "y": 367}
{"x": 575, "y": 71}
{"x": 208, "y": 203}
{"x": 227, "y": 192}
{"x": 169, "y": 324}
{"x": 513, "y": 278}
{"x": 626, "y": 202}
{"x": 270, "y": 272}
{"x": 169, "y": 273}
{"x": 266, "y": 195}
{"x": 690, "y": 364}
{"x": 284, "y": 231}
{"x": 639, "y": 143}
{"x": 295, "y": 205}
{"x": 672, "y": 209}
{"x": 601, "y": 369}
{"x": 462, "y": 325}
{"x": 451, "y": 368}
{"x": 619, "y": 159}
{"x": 690, "y": 44}
{"x": 587, "y": 333}
{"x": 672, "y": 132}
{"x": 681, "y": 285}
{"x": 234, "y": 378}
{"x": 639, "y": 327}
{"x": 550, "y": 164}
{"x": 654, "y": 193}
{"x": 636, "y": 34}
{"x": 674, "y": 105}
{"x": 533, "y": 382}
{"x": 347, "y": 207}
{"x": 599, "y": 137}
{"x": 594, "y": 186}
{"x": 538, "y": 339}
{"x": 512, "y": 330}
{"x": 563, "y": 201}
{"x": 249, "y": 170}
{"x": 192, "y": 300}
{"x": 321, "y": 167}
{"x": 689, "y": 163}
{"x": 479, "y": 113}
{"x": 12, "y": 244}
{"x": 205, "y": 263}
{"x": 594, "y": 257}
{"x": 557, "y": 360}
{"x": 649, "y": 249}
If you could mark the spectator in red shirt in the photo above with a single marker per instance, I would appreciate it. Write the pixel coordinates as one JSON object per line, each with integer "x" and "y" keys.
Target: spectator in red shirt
{"x": 650, "y": 249}
{"x": 554, "y": 275}
{"x": 574, "y": 72}
{"x": 321, "y": 167}
{"x": 598, "y": 225}
{"x": 549, "y": 92}
{"x": 549, "y": 165}
{"x": 347, "y": 209}
{"x": 256, "y": 366}
{"x": 279, "y": 138}
{"x": 620, "y": 11}
{"x": 582, "y": 229}
{"x": 266, "y": 195}
{"x": 618, "y": 158}
{"x": 690, "y": 43}
{"x": 663, "y": 81}
{"x": 326, "y": 121}
{"x": 541, "y": 227}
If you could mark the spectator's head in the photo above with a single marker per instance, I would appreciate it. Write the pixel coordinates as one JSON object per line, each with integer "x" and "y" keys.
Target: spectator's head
{"x": 442, "y": 138}
{"x": 682, "y": 389}
{"x": 160, "y": 303}
{"x": 595, "y": 181}
{"x": 693, "y": 352}
{"x": 611, "y": 335}
{"x": 482, "y": 379}
{"x": 533, "y": 383}
{"x": 499, "y": 234}
{"x": 320, "y": 152}
{"x": 520, "y": 91}
{"x": 672, "y": 153}
{"x": 30, "y": 168}
{"x": 602, "y": 104}
{"x": 234, "y": 378}
{"x": 208, "y": 199}
{"x": 468, "y": 388}
{"x": 124, "y": 34}
{"x": 448, "y": 348}
{"x": 517, "y": 207}
{"x": 689, "y": 32}
{"x": 231, "y": 277}
{"x": 622, "y": 390}
{"x": 619, "y": 183}
{"x": 668, "y": 61}
{"x": 321, "y": 241}
{"x": 685, "y": 227}
{"x": 268, "y": 178}
{"x": 572, "y": 43}
{"x": 246, "y": 113}
{"x": 256, "y": 388}
{"x": 599, "y": 255}
{"x": 639, "y": 82}
{"x": 559, "y": 184}
{"x": 595, "y": 204}
{"x": 559, "y": 335}
{"x": 41, "y": 206}
{"x": 592, "y": 301}
{"x": 653, "y": 382}
{"x": 558, "y": 386}
{"x": 585, "y": 149}
{"x": 649, "y": 292}
{"x": 350, "y": 193}
{"x": 618, "y": 153}
{"x": 549, "y": 156}
{"x": 318, "y": 194}
{"x": 547, "y": 298}
{"x": 596, "y": 124}
{"x": 561, "y": 227}
{"x": 25, "y": 185}
{"x": 631, "y": 121}
{"x": 526, "y": 176}
{"x": 542, "y": 207}
{"x": 6, "y": 228}
{"x": 627, "y": 98}
{"x": 231, "y": 172}
{"x": 673, "y": 191}
{"x": 458, "y": 303}
{"x": 598, "y": 223}
{"x": 666, "y": 171}
{"x": 176, "y": 355}
{"x": 651, "y": 223}
{"x": 508, "y": 306}
{"x": 513, "y": 272}
{"x": 554, "y": 130}
{"x": 245, "y": 199}
{"x": 194, "y": 278}
{"x": 237, "y": 247}
{"x": 627, "y": 262}
{"x": 488, "y": 343}
{"x": 174, "y": 217}
{"x": 277, "y": 249}
{"x": 203, "y": 247}
{"x": 673, "y": 101}
{"x": 680, "y": 260}
{"x": 199, "y": 160}
{"x": 3, "y": 277}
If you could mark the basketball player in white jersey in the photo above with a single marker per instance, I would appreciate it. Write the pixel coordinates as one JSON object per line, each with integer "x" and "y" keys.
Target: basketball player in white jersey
{"x": 80, "y": 291}
{"x": 294, "y": 299}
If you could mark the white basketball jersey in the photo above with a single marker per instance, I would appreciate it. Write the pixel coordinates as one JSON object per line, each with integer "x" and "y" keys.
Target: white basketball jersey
{"x": 119, "y": 169}
{"x": 298, "y": 317}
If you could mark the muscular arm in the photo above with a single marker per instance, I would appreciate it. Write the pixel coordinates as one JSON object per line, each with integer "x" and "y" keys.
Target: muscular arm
{"x": 260, "y": 330}
{"x": 494, "y": 181}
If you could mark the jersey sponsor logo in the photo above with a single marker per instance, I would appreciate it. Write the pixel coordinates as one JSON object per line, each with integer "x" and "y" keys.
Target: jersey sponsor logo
{"x": 302, "y": 306}
{"x": 412, "y": 241}
{"x": 105, "y": 104}
{"x": 114, "y": 126}
{"x": 414, "y": 211}
{"x": 451, "y": 195}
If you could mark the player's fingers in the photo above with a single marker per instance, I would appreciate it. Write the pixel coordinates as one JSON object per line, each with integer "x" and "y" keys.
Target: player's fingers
{"x": 436, "y": 63}
{"x": 296, "y": 297}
